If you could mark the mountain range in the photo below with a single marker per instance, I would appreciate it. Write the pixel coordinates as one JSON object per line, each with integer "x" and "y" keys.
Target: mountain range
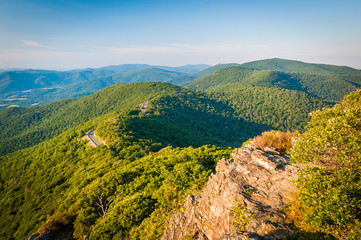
{"x": 37, "y": 87}
{"x": 150, "y": 159}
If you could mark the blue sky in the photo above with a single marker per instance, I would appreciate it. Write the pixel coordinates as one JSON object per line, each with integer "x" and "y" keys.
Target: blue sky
{"x": 67, "y": 34}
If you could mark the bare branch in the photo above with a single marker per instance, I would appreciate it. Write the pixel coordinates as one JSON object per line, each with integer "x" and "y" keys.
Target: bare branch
{"x": 104, "y": 206}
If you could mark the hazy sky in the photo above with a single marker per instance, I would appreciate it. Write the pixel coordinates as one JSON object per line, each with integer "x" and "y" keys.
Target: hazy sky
{"x": 67, "y": 34}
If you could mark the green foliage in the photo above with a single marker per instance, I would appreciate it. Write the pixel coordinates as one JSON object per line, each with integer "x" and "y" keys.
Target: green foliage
{"x": 330, "y": 186}
{"x": 232, "y": 111}
{"x": 152, "y": 161}
{"x": 61, "y": 180}
{"x": 227, "y": 75}
{"x": 199, "y": 118}
{"x": 181, "y": 114}
{"x": 300, "y": 67}
{"x": 241, "y": 216}
{"x": 329, "y": 87}
{"x": 279, "y": 109}
{"x": 20, "y": 128}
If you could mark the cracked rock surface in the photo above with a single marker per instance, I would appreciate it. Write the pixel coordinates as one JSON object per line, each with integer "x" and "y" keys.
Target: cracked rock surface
{"x": 260, "y": 181}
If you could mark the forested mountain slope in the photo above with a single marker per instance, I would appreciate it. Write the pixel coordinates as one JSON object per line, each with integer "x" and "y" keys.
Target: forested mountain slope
{"x": 24, "y": 127}
{"x": 58, "y": 183}
{"x": 327, "y": 87}
{"x": 62, "y": 183}
{"x": 244, "y": 112}
{"x": 301, "y": 67}
{"x": 127, "y": 187}
{"x": 72, "y": 177}
{"x": 278, "y": 108}
{"x": 182, "y": 81}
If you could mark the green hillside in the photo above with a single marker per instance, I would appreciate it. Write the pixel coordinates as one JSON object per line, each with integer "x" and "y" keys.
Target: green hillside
{"x": 182, "y": 81}
{"x": 300, "y": 67}
{"x": 51, "y": 178}
{"x": 277, "y": 108}
{"x": 24, "y": 127}
{"x": 58, "y": 183}
{"x": 327, "y": 87}
{"x": 147, "y": 167}
{"x": 150, "y": 163}
{"x": 132, "y": 170}
{"x": 232, "y": 106}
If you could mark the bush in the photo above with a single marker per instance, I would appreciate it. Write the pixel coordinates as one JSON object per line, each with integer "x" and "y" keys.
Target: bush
{"x": 329, "y": 198}
{"x": 241, "y": 216}
{"x": 279, "y": 141}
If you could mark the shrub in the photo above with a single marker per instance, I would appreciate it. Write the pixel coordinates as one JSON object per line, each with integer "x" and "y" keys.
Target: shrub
{"x": 241, "y": 216}
{"x": 279, "y": 141}
{"x": 329, "y": 185}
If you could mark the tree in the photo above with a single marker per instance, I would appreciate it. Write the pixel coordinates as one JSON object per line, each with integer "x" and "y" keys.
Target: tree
{"x": 103, "y": 205}
{"x": 330, "y": 183}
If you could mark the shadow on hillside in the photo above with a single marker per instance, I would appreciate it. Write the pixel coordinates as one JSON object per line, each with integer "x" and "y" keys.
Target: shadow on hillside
{"x": 185, "y": 123}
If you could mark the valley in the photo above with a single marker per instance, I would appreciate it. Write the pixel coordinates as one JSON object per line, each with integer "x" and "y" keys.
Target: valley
{"x": 166, "y": 129}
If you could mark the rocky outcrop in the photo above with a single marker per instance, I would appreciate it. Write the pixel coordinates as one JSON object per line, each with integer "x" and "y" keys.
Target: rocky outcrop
{"x": 257, "y": 183}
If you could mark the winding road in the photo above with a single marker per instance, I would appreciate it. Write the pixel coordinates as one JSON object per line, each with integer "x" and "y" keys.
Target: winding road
{"x": 143, "y": 106}
{"x": 90, "y": 134}
{"x": 92, "y": 138}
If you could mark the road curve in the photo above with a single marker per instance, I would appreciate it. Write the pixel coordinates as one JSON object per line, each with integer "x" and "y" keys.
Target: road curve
{"x": 143, "y": 106}
{"x": 92, "y": 138}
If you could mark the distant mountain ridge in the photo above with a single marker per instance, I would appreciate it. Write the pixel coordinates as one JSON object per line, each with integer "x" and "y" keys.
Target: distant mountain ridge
{"x": 334, "y": 82}
{"x": 182, "y": 81}
{"x": 21, "y": 80}
{"x": 33, "y": 87}
{"x": 327, "y": 82}
{"x": 300, "y": 67}
{"x": 190, "y": 69}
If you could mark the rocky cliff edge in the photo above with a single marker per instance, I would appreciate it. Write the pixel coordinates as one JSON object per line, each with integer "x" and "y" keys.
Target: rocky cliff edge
{"x": 244, "y": 199}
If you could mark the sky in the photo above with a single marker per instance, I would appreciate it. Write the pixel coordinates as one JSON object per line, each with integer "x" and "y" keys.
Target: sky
{"x": 70, "y": 34}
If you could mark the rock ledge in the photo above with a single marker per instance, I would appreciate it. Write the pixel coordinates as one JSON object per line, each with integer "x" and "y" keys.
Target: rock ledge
{"x": 258, "y": 180}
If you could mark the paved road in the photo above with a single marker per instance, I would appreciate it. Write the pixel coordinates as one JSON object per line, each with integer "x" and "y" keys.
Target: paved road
{"x": 143, "y": 106}
{"x": 92, "y": 138}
